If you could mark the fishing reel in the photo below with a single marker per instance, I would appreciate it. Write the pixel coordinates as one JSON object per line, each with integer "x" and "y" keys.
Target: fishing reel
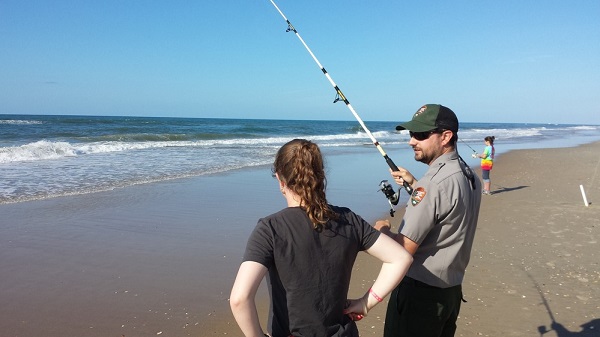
{"x": 392, "y": 197}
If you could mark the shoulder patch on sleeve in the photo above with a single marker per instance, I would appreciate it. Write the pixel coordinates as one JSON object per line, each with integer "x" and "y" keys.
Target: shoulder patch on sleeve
{"x": 417, "y": 196}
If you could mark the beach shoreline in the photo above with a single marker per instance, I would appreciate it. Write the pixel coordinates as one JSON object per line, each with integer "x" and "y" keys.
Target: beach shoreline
{"x": 135, "y": 261}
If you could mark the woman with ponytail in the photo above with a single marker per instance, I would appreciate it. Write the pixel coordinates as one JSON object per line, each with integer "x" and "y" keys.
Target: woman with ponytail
{"x": 487, "y": 162}
{"x": 307, "y": 251}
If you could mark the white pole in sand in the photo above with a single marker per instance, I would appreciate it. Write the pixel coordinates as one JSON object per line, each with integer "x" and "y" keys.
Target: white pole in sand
{"x": 585, "y": 202}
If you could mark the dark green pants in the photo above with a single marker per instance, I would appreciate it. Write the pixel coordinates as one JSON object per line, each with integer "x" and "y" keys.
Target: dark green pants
{"x": 416, "y": 309}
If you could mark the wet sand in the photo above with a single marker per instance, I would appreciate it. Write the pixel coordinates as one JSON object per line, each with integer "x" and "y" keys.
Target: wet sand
{"x": 160, "y": 259}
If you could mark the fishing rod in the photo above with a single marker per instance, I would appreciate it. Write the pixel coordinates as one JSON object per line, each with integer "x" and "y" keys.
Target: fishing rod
{"x": 341, "y": 97}
{"x": 467, "y": 144}
{"x": 474, "y": 155}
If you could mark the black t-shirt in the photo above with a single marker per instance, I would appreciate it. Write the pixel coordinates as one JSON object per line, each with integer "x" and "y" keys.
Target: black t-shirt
{"x": 309, "y": 271}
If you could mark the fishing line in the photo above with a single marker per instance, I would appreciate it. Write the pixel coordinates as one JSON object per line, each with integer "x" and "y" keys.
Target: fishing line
{"x": 467, "y": 145}
{"x": 341, "y": 97}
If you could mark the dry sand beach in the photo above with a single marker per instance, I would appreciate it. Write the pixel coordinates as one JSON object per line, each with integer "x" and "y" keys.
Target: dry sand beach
{"x": 135, "y": 262}
{"x": 535, "y": 265}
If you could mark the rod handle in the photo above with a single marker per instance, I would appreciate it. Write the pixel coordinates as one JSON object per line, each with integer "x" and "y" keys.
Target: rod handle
{"x": 394, "y": 167}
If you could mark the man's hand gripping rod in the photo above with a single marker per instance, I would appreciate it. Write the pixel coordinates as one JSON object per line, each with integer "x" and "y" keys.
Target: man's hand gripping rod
{"x": 340, "y": 96}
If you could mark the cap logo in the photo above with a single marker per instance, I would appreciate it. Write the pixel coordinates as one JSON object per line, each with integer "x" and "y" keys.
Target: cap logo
{"x": 417, "y": 196}
{"x": 420, "y": 111}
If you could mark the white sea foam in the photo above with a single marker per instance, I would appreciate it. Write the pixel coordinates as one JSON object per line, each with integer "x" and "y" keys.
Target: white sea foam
{"x": 20, "y": 122}
{"x": 583, "y": 127}
{"x": 40, "y": 150}
{"x": 48, "y": 150}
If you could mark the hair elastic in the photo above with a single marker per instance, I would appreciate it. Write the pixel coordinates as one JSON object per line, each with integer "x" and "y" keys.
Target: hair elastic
{"x": 379, "y": 299}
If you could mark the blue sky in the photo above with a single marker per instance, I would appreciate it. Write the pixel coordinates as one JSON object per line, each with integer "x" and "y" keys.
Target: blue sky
{"x": 490, "y": 61}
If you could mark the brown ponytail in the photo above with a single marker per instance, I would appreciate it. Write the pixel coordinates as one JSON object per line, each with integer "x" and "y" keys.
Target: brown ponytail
{"x": 299, "y": 164}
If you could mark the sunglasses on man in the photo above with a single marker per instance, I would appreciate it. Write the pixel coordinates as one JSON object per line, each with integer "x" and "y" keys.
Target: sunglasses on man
{"x": 423, "y": 135}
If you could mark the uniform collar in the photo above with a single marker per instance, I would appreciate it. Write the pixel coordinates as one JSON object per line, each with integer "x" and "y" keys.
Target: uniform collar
{"x": 446, "y": 157}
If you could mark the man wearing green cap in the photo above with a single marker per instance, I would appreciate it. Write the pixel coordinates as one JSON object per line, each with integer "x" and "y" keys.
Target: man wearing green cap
{"x": 438, "y": 228}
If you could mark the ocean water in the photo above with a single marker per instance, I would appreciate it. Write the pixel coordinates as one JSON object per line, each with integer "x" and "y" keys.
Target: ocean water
{"x": 50, "y": 156}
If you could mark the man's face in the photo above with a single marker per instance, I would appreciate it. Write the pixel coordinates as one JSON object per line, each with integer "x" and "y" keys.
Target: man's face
{"x": 428, "y": 146}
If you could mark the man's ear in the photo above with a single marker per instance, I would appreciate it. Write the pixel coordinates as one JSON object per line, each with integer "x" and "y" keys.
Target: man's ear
{"x": 447, "y": 136}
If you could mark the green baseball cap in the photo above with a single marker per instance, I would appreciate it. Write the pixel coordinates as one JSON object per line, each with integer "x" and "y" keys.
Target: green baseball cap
{"x": 430, "y": 117}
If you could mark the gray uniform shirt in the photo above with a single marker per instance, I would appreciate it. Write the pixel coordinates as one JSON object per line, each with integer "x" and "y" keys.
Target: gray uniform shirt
{"x": 441, "y": 216}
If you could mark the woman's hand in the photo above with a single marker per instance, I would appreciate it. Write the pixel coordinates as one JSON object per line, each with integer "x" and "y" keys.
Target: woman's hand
{"x": 356, "y": 309}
